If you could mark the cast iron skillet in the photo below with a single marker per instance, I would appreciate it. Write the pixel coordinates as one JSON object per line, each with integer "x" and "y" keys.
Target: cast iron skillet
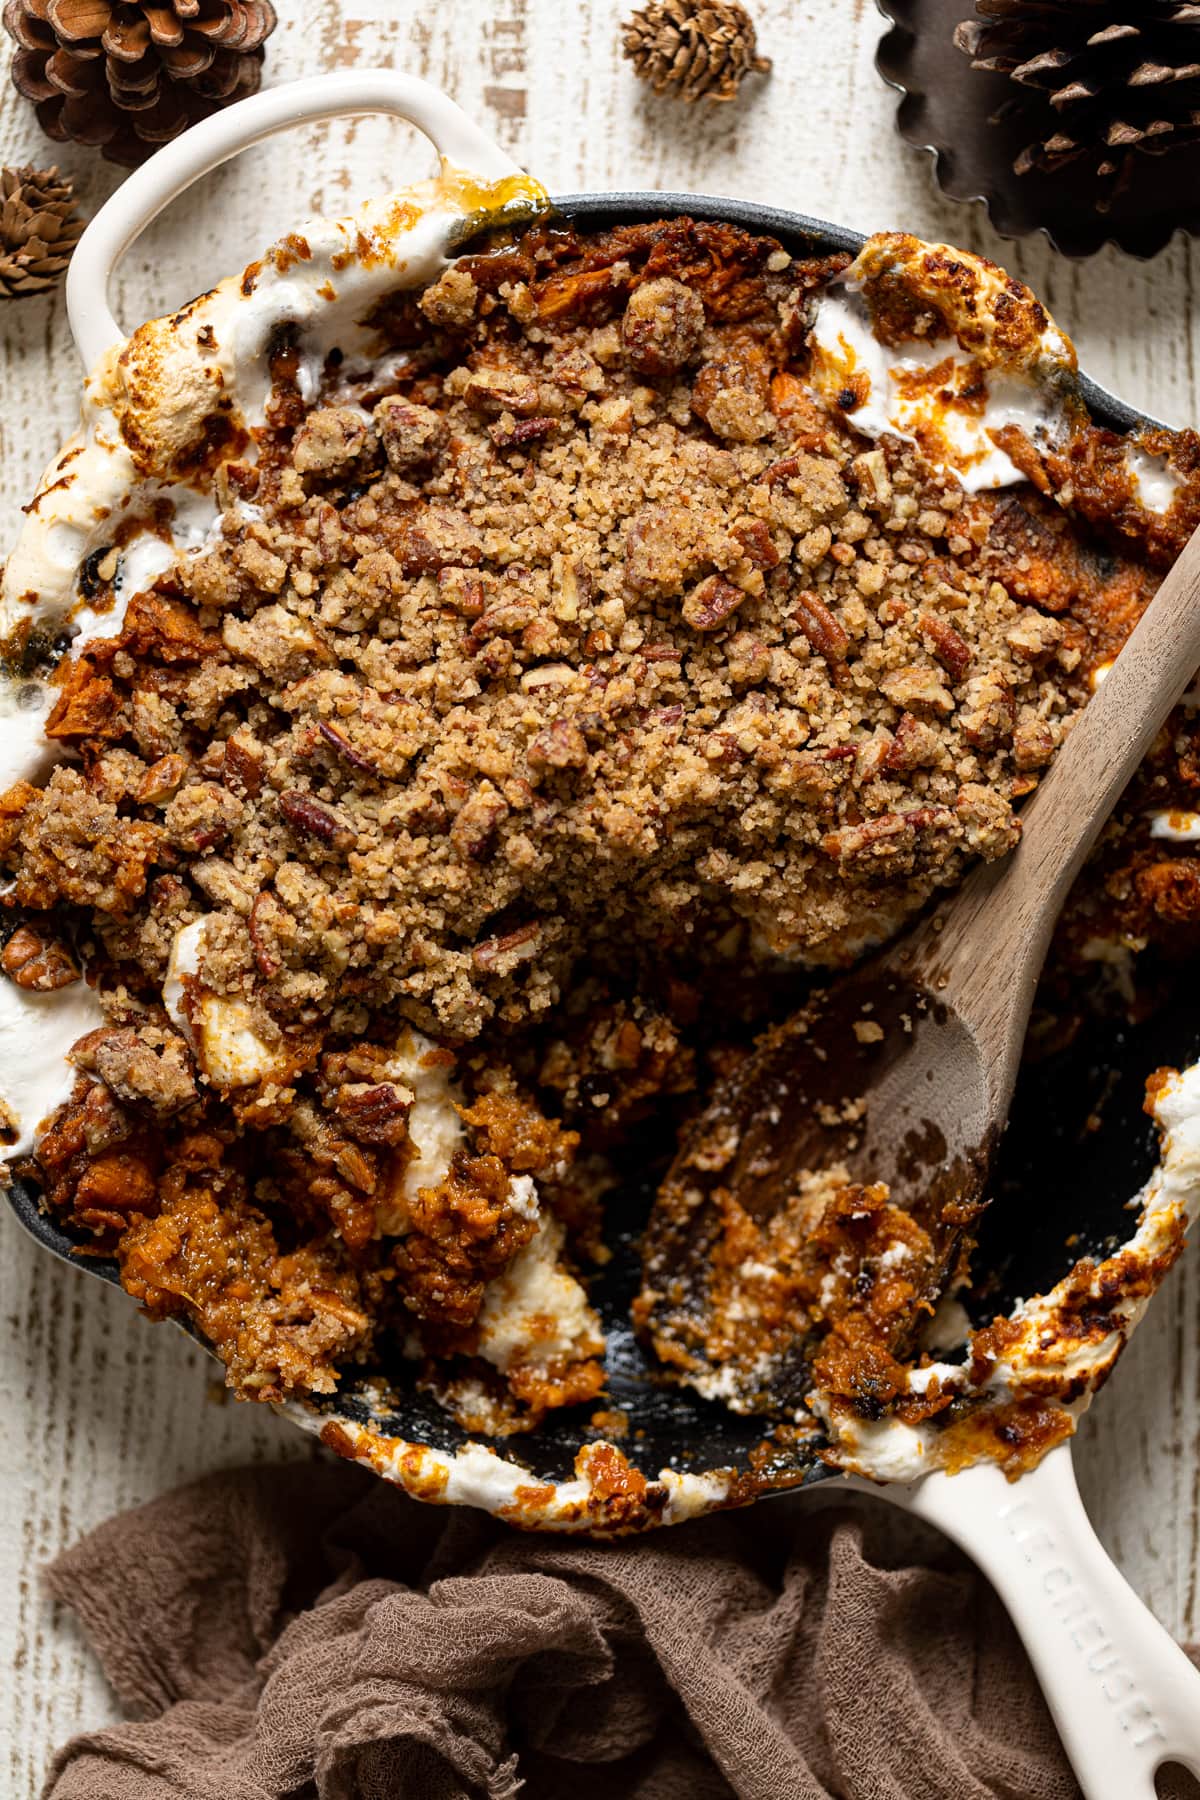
{"x": 1062, "y": 1186}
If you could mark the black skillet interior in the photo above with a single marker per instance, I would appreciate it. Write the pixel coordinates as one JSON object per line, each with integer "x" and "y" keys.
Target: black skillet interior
{"x": 1079, "y": 1147}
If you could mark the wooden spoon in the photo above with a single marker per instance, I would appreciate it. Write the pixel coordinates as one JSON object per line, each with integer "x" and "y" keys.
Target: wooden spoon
{"x": 941, "y": 1019}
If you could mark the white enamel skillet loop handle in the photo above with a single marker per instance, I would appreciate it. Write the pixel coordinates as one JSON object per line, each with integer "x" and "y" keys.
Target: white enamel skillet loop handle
{"x": 205, "y": 146}
{"x": 1123, "y": 1695}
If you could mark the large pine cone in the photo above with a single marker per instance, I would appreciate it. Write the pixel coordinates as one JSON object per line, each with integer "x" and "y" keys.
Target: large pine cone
{"x": 128, "y": 75}
{"x": 1098, "y": 81}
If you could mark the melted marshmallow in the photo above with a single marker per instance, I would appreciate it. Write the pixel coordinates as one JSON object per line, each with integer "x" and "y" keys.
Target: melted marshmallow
{"x": 26, "y": 753}
{"x": 435, "y": 1130}
{"x": 401, "y": 240}
{"x": 1176, "y": 827}
{"x": 848, "y": 356}
{"x": 536, "y": 1312}
{"x": 36, "y": 1033}
{"x": 219, "y": 1028}
{"x": 523, "y": 1196}
{"x": 1154, "y": 480}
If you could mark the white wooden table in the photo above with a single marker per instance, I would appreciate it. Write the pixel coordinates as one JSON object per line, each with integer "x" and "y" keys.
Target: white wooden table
{"x": 99, "y": 1409}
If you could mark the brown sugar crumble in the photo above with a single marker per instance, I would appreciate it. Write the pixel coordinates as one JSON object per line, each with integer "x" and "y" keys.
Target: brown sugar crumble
{"x": 572, "y": 646}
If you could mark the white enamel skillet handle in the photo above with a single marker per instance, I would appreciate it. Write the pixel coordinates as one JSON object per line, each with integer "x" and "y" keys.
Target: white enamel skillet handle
{"x": 205, "y": 146}
{"x": 1123, "y": 1695}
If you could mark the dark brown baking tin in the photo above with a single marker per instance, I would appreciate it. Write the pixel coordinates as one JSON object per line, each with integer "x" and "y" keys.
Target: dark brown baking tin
{"x": 945, "y": 109}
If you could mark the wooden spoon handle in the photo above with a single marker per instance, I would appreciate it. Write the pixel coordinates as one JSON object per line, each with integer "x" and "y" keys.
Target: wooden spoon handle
{"x": 989, "y": 947}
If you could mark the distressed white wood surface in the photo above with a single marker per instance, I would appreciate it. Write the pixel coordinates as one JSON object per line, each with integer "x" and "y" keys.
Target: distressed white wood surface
{"x": 99, "y": 1409}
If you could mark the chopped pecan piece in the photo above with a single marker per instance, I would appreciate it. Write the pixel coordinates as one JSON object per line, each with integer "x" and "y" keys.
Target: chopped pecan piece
{"x": 503, "y": 390}
{"x": 147, "y": 1066}
{"x": 340, "y": 743}
{"x": 501, "y": 954}
{"x": 816, "y": 775}
{"x": 440, "y": 537}
{"x": 1033, "y": 635}
{"x": 162, "y": 779}
{"x": 330, "y": 441}
{"x": 1034, "y": 743}
{"x": 477, "y": 823}
{"x": 711, "y": 602}
{"x": 462, "y": 590}
{"x": 559, "y": 745}
{"x": 915, "y": 746}
{"x": 754, "y": 536}
{"x": 823, "y": 631}
{"x": 916, "y": 685}
{"x": 316, "y": 1132}
{"x": 785, "y": 469}
{"x": 242, "y": 771}
{"x": 523, "y": 431}
{"x": 411, "y": 435}
{"x": 35, "y": 961}
{"x": 988, "y": 711}
{"x": 951, "y": 650}
{"x": 887, "y": 835}
{"x": 312, "y": 818}
{"x": 508, "y": 619}
{"x": 373, "y": 1114}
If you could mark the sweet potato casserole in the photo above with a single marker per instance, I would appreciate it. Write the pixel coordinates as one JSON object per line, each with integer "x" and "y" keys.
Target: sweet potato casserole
{"x": 650, "y": 617}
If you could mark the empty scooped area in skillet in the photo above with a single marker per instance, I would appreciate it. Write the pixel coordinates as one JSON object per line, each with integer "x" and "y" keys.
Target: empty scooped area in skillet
{"x": 1079, "y": 1147}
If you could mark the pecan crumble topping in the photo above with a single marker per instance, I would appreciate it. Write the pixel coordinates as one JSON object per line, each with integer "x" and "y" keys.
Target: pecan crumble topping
{"x": 573, "y": 646}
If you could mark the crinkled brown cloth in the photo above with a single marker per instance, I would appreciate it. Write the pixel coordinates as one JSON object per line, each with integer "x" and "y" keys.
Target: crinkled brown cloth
{"x": 308, "y": 1631}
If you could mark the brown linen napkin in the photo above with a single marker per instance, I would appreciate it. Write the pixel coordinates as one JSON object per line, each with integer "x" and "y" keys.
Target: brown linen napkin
{"x": 308, "y": 1631}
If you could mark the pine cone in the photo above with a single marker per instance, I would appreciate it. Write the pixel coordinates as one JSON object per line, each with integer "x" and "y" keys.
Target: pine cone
{"x": 38, "y": 230}
{"x": 128, "y": 75}
{"x": 1101, "y": 81}
{"x": 700, "y": 50}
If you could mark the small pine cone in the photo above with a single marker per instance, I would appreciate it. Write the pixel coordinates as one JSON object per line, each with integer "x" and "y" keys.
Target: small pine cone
{"x": 1096, "y": 82}
{"x": 39, "y": 229}
{"x": 124, "y": 76}
{"x": 696, "y": 50}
